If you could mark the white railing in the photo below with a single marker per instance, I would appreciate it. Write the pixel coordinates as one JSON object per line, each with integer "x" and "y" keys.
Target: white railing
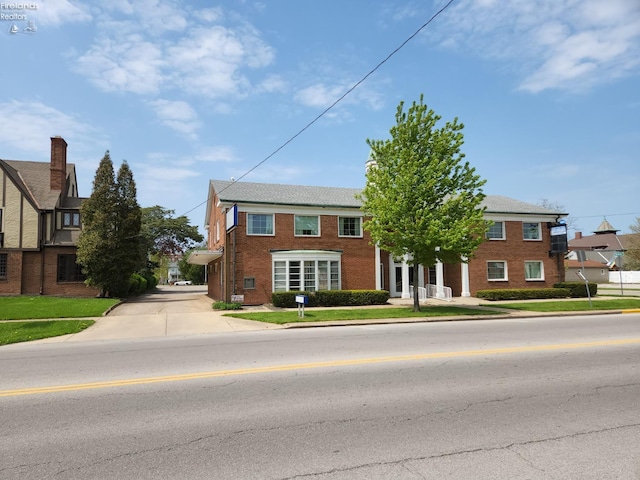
{"x": 422, "y": 292}
{"x": 433, "y": 291}
{"x": 440, "y": 293}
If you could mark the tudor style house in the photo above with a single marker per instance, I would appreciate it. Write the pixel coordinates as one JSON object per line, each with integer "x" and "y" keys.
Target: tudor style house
{"x": 40, "y": 224}
{"x": 265, "y": 238}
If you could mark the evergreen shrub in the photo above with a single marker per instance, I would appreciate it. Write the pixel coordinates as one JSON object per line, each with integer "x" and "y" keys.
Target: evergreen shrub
{"x": 578, "y": 289}
{"x": 523, "y": 293}
{"x": 331, "y": 298}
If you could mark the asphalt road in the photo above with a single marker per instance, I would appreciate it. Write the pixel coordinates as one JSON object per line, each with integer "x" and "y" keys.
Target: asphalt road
{"x": 543, "y": 398}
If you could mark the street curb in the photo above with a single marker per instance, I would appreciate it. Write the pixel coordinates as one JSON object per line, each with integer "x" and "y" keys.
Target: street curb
{"x": 391, "y": 321}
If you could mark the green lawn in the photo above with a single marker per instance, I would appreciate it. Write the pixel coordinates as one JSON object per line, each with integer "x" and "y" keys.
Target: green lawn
{"x": 14, "y": 332}
{"x": 27, "y": 308}
{"x": 572, "y": 305}
{"x": 327, "y": 315}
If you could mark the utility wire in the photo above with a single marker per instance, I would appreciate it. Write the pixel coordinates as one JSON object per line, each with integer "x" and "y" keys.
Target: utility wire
{"x": 326, "y": 110}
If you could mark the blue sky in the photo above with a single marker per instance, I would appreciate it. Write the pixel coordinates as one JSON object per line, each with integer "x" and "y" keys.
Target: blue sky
{"x": 548, "y": 90}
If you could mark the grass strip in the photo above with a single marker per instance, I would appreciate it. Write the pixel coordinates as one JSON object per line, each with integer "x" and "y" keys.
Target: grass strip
{"x": 27, "y": 308}
{"x": 572, "y": 305}
{"x": 15, "y": 332}
{"x": 327, "y": 315}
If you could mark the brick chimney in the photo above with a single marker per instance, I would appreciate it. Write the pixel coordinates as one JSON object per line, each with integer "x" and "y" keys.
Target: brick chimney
{"x": 58, "y": 169}
{"x": 578, "y": 235}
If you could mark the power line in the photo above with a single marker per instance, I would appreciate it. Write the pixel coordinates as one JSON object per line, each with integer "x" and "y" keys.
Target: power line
{"x": 326, "y": 110}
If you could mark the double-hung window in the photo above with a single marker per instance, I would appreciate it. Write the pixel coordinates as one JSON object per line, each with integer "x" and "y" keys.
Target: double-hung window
{"x": 496, "y": 270}
{"x": 259, "y": 224}
{"x": 533, "y": 270}
{"x": 307, "y": 225}
{"x": 349, "y": 227}
{"x": 496, "y": 231}
{"x": 531, "y": 231}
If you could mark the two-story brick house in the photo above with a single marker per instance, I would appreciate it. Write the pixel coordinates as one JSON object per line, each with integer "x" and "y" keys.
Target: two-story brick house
{"x": 40, "y": 224}
{"x": 264, "y": 238}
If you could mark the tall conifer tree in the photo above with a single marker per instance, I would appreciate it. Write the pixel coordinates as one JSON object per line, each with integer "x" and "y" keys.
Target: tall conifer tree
{"x": 108, "y": 247}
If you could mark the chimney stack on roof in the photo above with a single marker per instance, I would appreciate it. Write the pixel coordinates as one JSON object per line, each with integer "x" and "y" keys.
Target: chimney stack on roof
{"x": 58, "y": 169}
{"x": 578, "y": 235}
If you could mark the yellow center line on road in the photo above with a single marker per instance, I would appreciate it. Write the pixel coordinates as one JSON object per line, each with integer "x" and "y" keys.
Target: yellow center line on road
{"x": 307, "y": 366}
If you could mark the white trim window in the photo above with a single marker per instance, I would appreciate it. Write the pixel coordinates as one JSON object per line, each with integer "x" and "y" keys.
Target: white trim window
{"x": 533, "y": 270}
{"x": 306, "y": 225}
{"x": 306, "y": 270}
{"x": 350, "y": 227}
{"x": 531, "y": 231}
{"x": 496, "y": 231}
{"x": 497, "y": 271}
{"x": 260, "y": 224}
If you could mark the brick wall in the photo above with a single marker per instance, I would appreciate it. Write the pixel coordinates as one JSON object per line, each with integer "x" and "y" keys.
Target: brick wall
{"x": 253, "y": 255}
{"x": 515, "y": 251}
{"x": 11, "y": 286}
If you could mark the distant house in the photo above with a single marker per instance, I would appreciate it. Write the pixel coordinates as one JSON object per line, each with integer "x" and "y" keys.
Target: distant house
{"x": 605, "y": 248}
{"x": 265, "y": 238}
{"x": 40, "y": 223}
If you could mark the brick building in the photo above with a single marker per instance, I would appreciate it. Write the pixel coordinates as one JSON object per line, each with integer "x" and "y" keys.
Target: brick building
{"x": 264, "y": 238}
{"x": 39, "y": 227}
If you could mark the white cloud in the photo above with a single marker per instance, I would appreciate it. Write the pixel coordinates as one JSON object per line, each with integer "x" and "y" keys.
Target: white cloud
{"x": 177, "y": 115}
{"x": 25, "y": 128}
{"x": 220, "y": 153}
{"x": 59, "y": 12}
{"x": 553, "y": 44}
{"x": 322, "y": 95}
{"x": 127, "y": 64}
{"x": 148, "y": 46}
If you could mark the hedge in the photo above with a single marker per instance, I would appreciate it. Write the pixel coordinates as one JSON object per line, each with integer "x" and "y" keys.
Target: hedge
{"x": 331, "y": 298}
{"x": 578, "y": 289}
{"x": 523, "y": 293}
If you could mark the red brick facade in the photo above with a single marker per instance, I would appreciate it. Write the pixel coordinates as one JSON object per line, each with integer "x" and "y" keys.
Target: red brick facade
{"x": 36, "y": 273}
{"x": 252, "y": 257}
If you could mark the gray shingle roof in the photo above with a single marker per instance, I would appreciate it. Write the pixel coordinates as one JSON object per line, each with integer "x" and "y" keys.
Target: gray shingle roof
{"x": 500, "y": 204}
{"x": 36, "y": 177}
{"x": 268, "y": 193}
{"x": 278, "y": 194}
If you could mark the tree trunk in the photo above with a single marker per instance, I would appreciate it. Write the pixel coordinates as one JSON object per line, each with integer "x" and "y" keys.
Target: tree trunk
{"x": 416, "y": 293}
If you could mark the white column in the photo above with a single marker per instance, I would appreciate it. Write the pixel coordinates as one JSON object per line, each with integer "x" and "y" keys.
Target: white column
{"x": 405, "y": 278}
{"x": 439, "y": 279}
{"x": 465, "y": 278}
{"x": 420, "y": 276}
{"x": 378, "y": 269}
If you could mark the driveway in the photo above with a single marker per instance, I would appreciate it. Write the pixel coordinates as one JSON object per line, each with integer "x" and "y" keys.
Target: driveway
{"x": 169, "y": 311}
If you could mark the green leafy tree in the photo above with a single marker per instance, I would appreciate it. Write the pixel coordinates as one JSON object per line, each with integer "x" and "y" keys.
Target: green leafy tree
{"x": 108, "y": 245}
{"x": 632, "y": 255}
{"x": 423, "y": 201}
{"x": 195, "y": 273}
{"x": 163, "y": 234}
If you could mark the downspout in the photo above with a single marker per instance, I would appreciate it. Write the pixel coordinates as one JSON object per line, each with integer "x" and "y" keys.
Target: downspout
{"x": 43, "y": 224}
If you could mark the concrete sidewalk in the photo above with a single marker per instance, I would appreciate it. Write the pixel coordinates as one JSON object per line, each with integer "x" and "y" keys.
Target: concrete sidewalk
{"x": 173, "y": 312}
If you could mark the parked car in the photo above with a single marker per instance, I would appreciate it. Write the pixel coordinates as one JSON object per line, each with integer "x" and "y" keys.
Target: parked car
{"x": 183, "y": 282}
